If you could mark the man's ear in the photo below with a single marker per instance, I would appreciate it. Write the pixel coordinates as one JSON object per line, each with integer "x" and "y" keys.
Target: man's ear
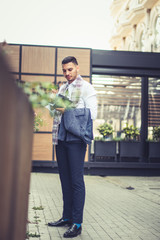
{"x": 77, "y": 68}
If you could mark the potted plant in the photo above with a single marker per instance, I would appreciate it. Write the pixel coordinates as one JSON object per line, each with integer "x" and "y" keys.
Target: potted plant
{"x": 154, "y": 145}
{"x": 131, "y": 133}
{"x": 129, "y": 147}
{"x": 104, "y": 147}
{"x": 106, "y": 130}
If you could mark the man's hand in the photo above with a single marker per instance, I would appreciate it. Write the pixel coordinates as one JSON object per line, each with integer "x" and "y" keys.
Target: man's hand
{"x": 54, "y": 91}
{"x": 61, "y": 110}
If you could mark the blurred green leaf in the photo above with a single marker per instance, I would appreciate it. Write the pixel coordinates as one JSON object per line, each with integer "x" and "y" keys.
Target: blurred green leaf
{"x": 40, "y": 95}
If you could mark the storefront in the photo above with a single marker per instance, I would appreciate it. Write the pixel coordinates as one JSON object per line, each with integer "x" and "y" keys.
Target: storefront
{"x": 128, "y": 91}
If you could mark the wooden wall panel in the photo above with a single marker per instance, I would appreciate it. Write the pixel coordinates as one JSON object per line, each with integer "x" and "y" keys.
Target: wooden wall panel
{"x": 82, "y": 56}
{"x": 86, "y": 156}
{"x": 41, "y": 60}
{"x": 61, "y": 80}
{"x": 38, "y": 59}
{"x": 36, "y": 78}
{"x": 15, "y": 76}
{"x": 154, "y": 110}
{"x": 48, "y": 120}
{"x": 42, "y": 147}
{"x": 12, "y": 52}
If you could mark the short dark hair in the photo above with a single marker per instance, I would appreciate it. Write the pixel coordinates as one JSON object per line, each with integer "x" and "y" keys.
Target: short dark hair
{"x": 69, "y": 59}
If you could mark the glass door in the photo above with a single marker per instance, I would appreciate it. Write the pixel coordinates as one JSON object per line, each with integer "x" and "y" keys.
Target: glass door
{"x": 119, "y": 102}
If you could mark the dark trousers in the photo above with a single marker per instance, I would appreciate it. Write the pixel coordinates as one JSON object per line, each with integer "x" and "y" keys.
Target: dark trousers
{"x": 70, "y": 159}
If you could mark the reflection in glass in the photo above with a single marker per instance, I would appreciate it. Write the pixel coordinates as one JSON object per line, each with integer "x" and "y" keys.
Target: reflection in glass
{"x": 119, "y": 99}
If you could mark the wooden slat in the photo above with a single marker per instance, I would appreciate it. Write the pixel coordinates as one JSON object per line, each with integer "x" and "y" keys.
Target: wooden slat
{"x": 86, "y": 79}
{"x": 154, "y": 110}
{"x": 60, "y": 81}
{"x": 47, "y": 120}
{"x": 86, "y": 156}
{"x": 15, "y": 76}
{"x": 82, "y": 56}
{"x": 154, "y": 114}
{"x": 36, "y": 78}
{"x": 42, "y": 147}
{"x": 12, "y": 52}
{"x": 38, "y": 59}
{"x": 157, "y": 97}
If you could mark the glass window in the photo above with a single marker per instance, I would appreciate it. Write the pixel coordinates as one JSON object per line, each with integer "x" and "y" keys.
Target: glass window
{"x": 119, "y": 99}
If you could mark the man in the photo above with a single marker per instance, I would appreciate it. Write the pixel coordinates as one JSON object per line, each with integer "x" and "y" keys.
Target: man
{"x": 71, "y": 149}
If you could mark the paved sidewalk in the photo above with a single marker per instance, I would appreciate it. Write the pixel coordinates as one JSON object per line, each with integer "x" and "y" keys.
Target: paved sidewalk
{"x": 116, "y": 208}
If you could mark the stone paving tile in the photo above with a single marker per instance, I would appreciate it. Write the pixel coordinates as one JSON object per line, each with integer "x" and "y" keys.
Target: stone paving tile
{"x": 111, "y": 211}
{"x": 146, "y": 187}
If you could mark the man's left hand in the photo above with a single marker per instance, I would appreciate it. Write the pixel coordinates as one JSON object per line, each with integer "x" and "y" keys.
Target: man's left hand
{"x": 61, "y": 110}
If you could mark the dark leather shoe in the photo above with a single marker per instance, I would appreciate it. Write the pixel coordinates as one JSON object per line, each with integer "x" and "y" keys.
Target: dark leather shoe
{"x": 60, "y": 223}
{"x": 73, "y": 231}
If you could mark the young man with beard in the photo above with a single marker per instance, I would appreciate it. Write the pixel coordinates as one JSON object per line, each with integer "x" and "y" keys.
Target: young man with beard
{"x": 72, "y": 130}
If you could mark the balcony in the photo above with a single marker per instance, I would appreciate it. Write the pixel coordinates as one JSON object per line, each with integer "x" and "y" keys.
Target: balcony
{"x": 132, "y": 13}
{"x": 148, "y": 3}
{"x": 116, "y": 6}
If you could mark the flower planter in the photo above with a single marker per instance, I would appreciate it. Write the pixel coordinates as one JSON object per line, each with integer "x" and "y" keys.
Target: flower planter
{"x": 129, "y": 151}
{"x": 105, "y": 151}
{"x": 154, "y": 152}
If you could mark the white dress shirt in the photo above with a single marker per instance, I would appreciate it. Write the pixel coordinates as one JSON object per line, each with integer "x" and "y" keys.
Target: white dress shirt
{"x": 88, "y": 97}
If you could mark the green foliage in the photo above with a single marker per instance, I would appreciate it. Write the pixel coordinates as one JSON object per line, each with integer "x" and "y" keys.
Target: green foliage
{"x": 60, "y": 101}
{"x": 38, "y": 122}
{"x": 105, "y": 130}
{"x": 41, "y": 94}
{"x": 131, "y": 132}
{"x": 99, "y": 139}
{"x": 38, "y": 208}
{"x": 156, "y": 134}
{"x": 33, "y": 235}
{"x": 117, "y": 139}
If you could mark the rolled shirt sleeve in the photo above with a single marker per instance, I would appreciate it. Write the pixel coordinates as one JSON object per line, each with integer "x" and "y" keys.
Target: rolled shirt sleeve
{"x": 90, "y": 99}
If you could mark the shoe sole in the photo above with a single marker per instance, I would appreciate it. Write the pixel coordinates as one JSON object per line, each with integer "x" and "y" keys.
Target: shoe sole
{"x": 65, "y": 225}
{"x": 78, "y": 233}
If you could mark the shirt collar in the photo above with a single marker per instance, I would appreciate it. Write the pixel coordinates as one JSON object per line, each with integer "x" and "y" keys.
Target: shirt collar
{"x": 74, "y": 83}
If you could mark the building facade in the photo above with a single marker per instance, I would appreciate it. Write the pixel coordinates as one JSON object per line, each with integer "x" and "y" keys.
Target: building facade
{"x": 127, "y": 85}
{"x": 136, "y": 25}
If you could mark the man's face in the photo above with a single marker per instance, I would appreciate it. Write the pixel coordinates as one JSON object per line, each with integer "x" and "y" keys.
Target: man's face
{"x": 70, "y": 71}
